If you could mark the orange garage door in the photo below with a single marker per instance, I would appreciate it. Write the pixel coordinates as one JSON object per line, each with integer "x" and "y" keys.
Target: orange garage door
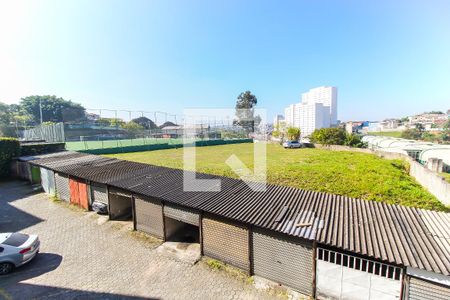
{"x": 78, "y": 193}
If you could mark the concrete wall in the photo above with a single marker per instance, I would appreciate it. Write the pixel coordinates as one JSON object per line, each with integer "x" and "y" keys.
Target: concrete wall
{"x": 431, "y": 181}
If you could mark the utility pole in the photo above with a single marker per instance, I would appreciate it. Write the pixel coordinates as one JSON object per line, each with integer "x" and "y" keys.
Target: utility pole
{"x": 40, "y": 109}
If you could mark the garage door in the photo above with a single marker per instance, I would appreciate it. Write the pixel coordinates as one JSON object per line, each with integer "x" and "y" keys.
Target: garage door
{"x": 341, "y": 276}
{"x": 421, "y": 289}
{"x": 99, "y": 193}
{"x": 185, "y": 215}
{"x": 62, "y": 187}
{"x": 78, "y": 193}
{"x": 119, "y": 204}
{"x": 48, "y": 181}
{"x": 149, "y": 216}
{"x": 283, "y": 260}
{"x": 227, "y": 242}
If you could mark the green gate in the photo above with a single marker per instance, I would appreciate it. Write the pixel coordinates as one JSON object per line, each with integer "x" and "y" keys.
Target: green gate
{"x": 35, "y": 174}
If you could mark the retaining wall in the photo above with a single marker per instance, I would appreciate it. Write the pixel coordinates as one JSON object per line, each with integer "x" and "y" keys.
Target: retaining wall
{"x": 434, "y": 183}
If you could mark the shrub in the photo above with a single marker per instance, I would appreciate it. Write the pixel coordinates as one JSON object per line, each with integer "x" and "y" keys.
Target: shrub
{"x": 354, "y": 140}
{"x": 293, "y": 133}
{"x": 329, "y": 136}
{"x": 215, "y": 264}
{"x": 42, "y": 148}
{"x": 9, "y": 148}
{"x": 411, "y": 134}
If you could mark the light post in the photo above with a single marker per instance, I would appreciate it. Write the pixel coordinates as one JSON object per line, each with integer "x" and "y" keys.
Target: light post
{"x": 40, "y": 109}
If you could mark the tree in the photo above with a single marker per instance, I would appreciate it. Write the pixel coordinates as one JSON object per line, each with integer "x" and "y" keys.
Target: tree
{"x": 145, "y": 123}
{"x": 5, "y": 114}
{"x": 168, "y": 123}
{"x": 110, "y": 122}
{"x": 354, "y": 140}
{"x": 329, "y": 136}
{"x": 245, "y": 111}
{"x": 445, "y": 135}
{"x": 446, "y": 125}
{"x": 54, "y": 109}
{"x": 411, "y": 134}
{"x": 133, "y": 128}
{"x": 404, "y": 120}
{"x": 293, "y": 133}
{"x": 420, "y": 127}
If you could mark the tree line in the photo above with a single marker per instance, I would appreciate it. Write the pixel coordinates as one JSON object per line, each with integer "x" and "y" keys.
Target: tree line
{"x": 34, "y": 110}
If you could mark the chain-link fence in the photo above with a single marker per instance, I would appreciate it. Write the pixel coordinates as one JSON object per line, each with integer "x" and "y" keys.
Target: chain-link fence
{"x": 122, "y": 129}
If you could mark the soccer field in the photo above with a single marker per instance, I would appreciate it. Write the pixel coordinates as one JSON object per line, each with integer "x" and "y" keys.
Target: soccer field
{"x": 353, "y": 174}
{"x": 89, "y": 145}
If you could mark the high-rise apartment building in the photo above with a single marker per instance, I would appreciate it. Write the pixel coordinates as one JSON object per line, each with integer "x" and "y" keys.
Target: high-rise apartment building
{"x": 318, "y": 109}
{"x": 327, "y": 95}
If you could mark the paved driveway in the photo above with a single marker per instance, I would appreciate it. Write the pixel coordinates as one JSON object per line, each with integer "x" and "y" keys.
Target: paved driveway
{"x": 83, "y": 257}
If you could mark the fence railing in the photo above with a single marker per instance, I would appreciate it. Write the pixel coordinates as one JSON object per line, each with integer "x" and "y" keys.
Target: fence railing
{"x": 51, "y": 133}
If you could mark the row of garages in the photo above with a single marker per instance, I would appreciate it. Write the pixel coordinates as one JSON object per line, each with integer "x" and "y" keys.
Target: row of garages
{"x": 282, "y": 245}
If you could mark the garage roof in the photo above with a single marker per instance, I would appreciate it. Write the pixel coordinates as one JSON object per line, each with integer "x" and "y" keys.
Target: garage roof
{"x": 391, "y": 233}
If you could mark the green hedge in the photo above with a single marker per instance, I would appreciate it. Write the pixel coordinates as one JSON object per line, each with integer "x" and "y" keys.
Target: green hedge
{"x": 140, "y": 148}
{"x": 41, "y": 148}
{"x": 9, "y": 148}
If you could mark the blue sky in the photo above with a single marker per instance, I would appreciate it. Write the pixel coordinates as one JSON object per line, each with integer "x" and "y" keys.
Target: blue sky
{"x": 388, "y": 58}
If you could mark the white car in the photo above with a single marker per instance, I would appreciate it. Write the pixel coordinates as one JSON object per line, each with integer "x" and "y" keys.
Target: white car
{"x": 292, "y": 144}
{"x": 17, "y": 249}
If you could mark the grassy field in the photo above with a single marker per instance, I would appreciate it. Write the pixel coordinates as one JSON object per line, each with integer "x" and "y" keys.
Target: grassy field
{"x": 86, "y": 145}
{"x": 396, "y": 134}
{"x": 352, "y": 174}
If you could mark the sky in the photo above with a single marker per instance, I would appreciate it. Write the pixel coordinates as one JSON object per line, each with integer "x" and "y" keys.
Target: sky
{"x": 387, "y": 58}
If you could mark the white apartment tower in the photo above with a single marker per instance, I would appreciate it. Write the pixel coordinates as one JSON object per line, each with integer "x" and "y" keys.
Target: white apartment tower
{"x": 327, "y": 95}
{"x": 318, "y": 109}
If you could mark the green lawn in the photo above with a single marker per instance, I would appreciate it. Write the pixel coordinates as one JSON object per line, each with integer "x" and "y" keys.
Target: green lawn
{"x": 396, "y": 134}
{"x": 352, "y": 174}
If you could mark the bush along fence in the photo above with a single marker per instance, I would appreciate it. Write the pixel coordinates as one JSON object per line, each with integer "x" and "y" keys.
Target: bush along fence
{"x": 9, "y": 148}
{"x": 152, "y": 147}
{"x": 40, "y": 148}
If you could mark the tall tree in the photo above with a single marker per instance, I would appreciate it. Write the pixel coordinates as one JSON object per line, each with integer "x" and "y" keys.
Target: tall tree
{"x": 293, "y": 133}
{"x": 5, "y": 114}
{"x": 245, "y": 111}
{"x": 145, "y": 123}
{"x": 54, "y": 109}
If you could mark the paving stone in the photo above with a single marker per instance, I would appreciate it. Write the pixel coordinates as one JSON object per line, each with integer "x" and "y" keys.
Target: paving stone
{"x": 84, "y": 258}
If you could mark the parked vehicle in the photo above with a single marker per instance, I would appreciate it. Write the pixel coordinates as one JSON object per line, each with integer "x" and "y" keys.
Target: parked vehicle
{"x": 16, "y": 249}
{"x": 100, "y": 207}
{"x": 292, "y": 144}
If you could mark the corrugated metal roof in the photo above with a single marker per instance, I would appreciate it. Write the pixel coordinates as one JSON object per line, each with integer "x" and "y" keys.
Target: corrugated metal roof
{"x": 43, "y": 157}
{"x": 391, "y": 233}
{"x": 49, "y": 160}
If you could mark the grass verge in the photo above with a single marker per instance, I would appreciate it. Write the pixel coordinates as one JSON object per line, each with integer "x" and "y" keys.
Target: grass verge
{"x": 352, "y": 174}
